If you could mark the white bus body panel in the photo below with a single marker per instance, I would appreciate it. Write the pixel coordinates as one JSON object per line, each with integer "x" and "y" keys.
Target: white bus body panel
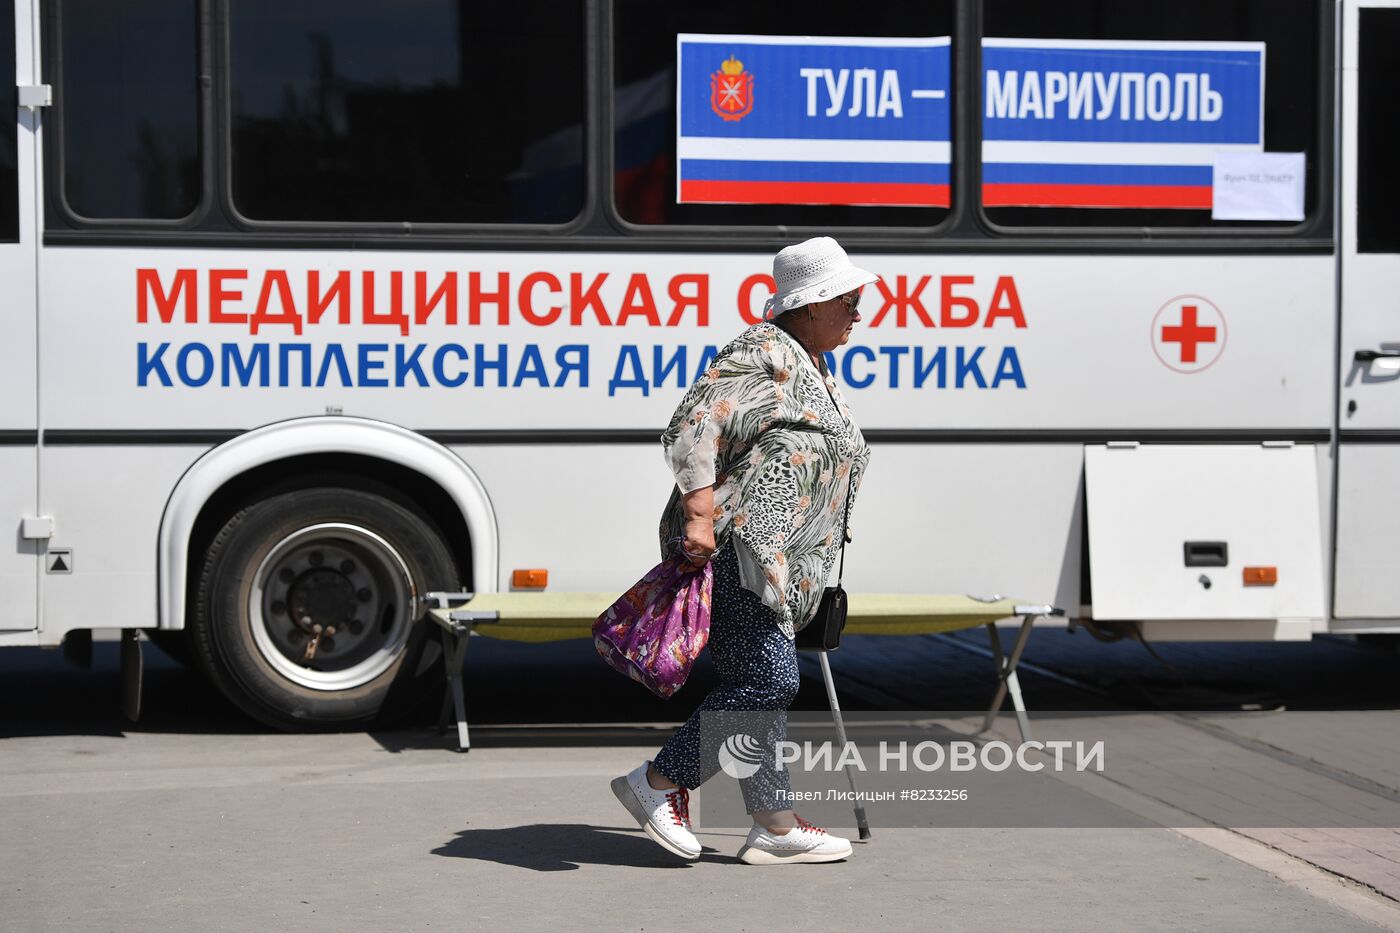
{"x": 107, "y": 504}
{"x": 1367, "y": 596}
{"x": 1368, "y": 556}
{"x": 587, "y": 513}
{"x": 1086, "y": 350}
{"x": 915, "y": 528}
{"x": 979, "y": 518}
{"x": 20, "y": 562}
{"x": 976, "y": 519}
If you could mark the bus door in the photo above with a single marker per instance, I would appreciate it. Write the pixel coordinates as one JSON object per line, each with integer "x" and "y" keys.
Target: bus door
{"x": 19, "y": 559}
{"x": 1367, "y": 579}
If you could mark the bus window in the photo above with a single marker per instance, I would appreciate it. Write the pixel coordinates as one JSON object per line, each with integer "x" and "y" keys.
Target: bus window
{"x": 424, "y": 111}
{"x": 1377, "y": 133}
{"x": 128, "y": 103}
{"x": 1092, "y": 186}
{"x": 9, "y": 153}
{"x": 644, "y": 101}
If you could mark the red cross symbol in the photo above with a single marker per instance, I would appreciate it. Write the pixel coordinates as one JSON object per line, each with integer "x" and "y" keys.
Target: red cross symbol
{"x": 1200, "y": 336}
{"x": 1188, "y": 334}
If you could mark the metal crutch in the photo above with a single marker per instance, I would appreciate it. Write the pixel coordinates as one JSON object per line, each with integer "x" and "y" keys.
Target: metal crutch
{"x": 862, "y": 825}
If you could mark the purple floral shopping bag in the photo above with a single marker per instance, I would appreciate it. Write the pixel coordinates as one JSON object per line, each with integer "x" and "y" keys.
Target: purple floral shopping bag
{"x": 656, "y": 630}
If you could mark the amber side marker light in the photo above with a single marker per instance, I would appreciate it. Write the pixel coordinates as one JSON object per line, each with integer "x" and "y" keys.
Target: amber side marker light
{"x": 1260, "y": 576}
{"x": 529, "y": 579}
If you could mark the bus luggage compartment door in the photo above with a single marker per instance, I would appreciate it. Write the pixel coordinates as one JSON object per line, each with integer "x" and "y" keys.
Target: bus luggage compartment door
{"x": 1204, "y": 532}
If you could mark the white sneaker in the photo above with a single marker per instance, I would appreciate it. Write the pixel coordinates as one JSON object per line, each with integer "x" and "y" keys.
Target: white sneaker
{"x": 664, "y": 814}
{"x": 803, "y": 843}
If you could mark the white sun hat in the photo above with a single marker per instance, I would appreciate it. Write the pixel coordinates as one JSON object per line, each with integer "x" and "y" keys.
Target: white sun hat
{"x": 813, "y": 270}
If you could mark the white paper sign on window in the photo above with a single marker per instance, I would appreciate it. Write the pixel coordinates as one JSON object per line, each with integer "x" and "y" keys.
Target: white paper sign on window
{"x": 1258, "y": 186}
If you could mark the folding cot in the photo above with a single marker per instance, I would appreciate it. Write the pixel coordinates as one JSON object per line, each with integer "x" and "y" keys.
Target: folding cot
{"x": 541, "y": 617}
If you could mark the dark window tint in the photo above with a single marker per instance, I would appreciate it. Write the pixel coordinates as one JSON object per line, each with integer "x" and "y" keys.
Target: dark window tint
{"x": 1378, "y": 133}
{"x": 1291, "y": 30}
{"x": 644, "y": 99}
{"x": 9, "y": 165}
{"x": 129, "y": 108}
{"x": 427, "y": 111}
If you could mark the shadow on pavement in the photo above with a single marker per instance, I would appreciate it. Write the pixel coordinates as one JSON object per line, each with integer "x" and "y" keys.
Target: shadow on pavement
{"x": 566, "y": 847}
{"x": 43, "y": 695}
{"x": 560, "y": 694}
{"x": 643, "y": 735}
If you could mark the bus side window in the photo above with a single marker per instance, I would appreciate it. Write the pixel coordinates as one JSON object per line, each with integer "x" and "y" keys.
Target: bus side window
{"x": 9, "y": 151}
{"x": 644, "y": 102}
{"x": 421, "y": 111}
{"x": 1123, "y": 188}
{"x": 128, "y": 105}
{"x": 1378, "y": 133}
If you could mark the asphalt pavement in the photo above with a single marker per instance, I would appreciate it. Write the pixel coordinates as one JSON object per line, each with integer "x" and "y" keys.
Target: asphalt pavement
{"x": 198, "y": 819}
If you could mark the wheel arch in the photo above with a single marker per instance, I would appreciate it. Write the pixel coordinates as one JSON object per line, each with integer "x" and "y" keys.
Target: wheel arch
{"x": 427, "y": 474}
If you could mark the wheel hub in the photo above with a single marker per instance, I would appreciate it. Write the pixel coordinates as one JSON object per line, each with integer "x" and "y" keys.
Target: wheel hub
{"x": 322, "y": 597}
{"x": 331, "y": 606}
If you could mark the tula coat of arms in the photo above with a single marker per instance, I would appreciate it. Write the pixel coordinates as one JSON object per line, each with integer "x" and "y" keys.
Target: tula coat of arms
{"x": 731, "y": 90}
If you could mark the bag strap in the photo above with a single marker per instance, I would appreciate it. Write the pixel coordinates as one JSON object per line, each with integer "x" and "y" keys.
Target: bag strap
{"x": 850, "y": 483}
{"x": 845, "y": 515}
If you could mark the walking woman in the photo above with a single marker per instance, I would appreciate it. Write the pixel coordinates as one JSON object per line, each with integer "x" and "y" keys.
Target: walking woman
{"x": 767, "y": 460}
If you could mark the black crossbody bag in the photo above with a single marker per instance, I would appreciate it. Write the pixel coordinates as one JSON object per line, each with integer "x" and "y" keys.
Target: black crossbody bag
{"x": 823, "y": 633}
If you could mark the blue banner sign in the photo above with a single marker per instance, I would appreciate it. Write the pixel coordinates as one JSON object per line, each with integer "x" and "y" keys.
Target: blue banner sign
{"x": 1114, "y": 123}
{"x": 812, "y": 120}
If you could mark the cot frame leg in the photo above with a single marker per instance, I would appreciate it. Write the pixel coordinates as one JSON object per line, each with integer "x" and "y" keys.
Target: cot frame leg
{"x": 862, "y": 824}
{"x": 1006, "y": 677}
{"x": 454, "y": 652}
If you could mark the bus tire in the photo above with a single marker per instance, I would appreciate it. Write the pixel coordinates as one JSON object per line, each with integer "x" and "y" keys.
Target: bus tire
{"x": 341, "y": 569}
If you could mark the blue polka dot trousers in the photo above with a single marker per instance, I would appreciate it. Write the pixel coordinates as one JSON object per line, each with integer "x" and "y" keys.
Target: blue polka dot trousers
{"x": 757, "y": 667}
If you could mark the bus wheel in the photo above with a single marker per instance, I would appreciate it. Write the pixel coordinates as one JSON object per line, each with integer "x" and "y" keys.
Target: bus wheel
{"x": 307, "y": 609}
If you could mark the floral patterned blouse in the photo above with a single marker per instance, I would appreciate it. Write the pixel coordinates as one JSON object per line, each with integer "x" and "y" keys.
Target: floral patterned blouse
{"x": 778, "y": 443}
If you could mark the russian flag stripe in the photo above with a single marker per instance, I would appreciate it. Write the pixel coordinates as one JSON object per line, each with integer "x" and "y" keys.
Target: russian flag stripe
{"x": 724, "y": 170}
{"x": 814, "y": 192}
{"x": 1061, "y": 153}
{"x": 1197, "y": 197}
{"x": 1013, "y": 173}
{"x": 750, "y": 149}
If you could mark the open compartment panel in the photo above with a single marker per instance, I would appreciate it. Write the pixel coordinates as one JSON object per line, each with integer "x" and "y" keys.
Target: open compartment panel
{"x": 1198, "y": 532}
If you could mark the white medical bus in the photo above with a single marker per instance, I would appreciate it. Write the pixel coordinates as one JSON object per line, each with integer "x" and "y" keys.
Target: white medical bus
{"x": 312, "y": 306}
